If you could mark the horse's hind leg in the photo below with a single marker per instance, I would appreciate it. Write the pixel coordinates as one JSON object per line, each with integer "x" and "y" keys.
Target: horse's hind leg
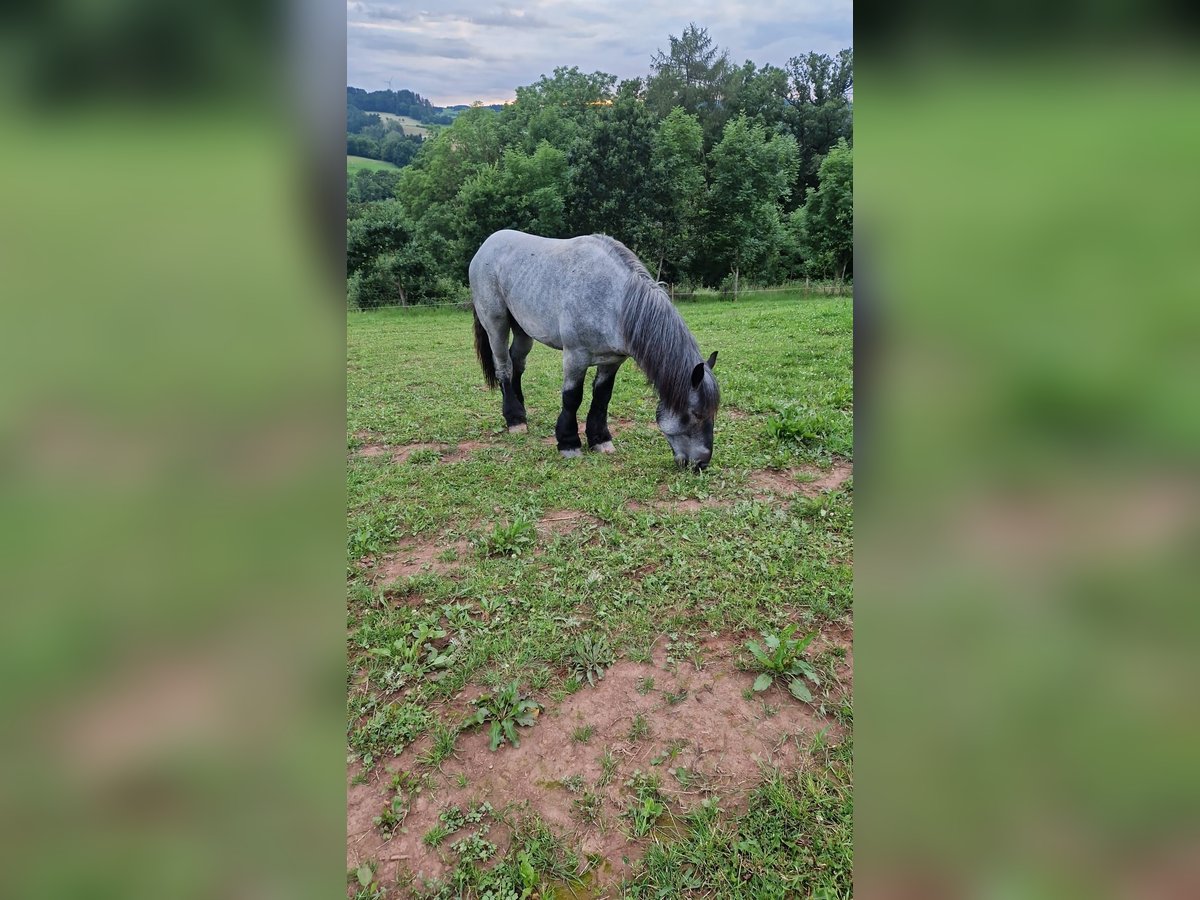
{"x": 598, "y": 435}
{"x": 521, "y": 345}
{"x": 575, "y": 366}
{"x": 512, "y": 409}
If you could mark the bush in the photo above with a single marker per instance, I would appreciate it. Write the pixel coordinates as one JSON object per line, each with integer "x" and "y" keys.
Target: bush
{"x": 401, "y": 278}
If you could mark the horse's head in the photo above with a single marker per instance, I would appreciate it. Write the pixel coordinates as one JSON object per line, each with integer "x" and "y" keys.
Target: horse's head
{"x": 690, "y": 431}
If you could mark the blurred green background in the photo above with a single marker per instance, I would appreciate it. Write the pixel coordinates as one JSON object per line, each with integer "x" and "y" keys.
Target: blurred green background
{"x": 172, "y": 451}
{"x": 1028, "y": 465}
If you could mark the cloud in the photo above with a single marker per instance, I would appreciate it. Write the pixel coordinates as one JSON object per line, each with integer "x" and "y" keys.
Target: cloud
{"x": 468, "y": 51}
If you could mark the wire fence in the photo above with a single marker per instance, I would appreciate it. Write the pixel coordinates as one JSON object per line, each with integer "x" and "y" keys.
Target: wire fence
{"x": 809, "y": 290}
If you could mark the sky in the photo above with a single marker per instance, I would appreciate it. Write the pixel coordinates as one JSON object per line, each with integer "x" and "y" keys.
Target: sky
{"x": 460, "y": 52}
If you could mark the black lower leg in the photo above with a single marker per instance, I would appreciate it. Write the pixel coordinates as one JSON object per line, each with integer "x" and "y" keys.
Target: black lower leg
{"x": 597, "y": 417}
{"x": 517, "y": 392}
{"x": 567, "y": 429}
{"x": 513, "y": 408}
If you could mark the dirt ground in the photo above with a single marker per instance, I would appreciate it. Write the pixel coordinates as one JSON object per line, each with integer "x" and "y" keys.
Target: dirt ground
{"x": 720, "y": 738}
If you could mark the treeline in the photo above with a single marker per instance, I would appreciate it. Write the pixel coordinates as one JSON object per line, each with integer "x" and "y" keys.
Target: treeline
{"x": 709, "y": 171}
{"x": 400, "y": 103}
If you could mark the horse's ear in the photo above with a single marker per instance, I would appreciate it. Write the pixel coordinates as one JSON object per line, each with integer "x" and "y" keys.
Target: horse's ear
{"x": 697, "y": 375}
{"x": 712, "y": 360}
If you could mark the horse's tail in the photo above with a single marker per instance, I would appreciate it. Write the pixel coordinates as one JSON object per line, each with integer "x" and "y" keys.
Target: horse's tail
{"x": 483, "y": 348}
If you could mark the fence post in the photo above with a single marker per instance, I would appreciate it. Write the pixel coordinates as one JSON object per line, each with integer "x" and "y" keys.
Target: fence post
{"x": 735, "y": 284}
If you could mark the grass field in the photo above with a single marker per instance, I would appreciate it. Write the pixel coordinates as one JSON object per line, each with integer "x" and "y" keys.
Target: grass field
{"x": 354, "y": 163}
{"x": 618, "y": 595}
{"x": 408, "y": 123}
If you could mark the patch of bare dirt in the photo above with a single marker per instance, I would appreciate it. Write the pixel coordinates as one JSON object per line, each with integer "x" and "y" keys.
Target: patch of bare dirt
{"x": 564, "y": 521}
{"x": 420, "y": 558}
{"x": 808, "y": 481}
{"x": 464, "y": 451}
{"x": 736, "y": 414}
{"x": 720, "y": 741}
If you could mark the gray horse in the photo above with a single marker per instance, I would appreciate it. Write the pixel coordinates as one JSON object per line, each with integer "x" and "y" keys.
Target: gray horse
{"x": 592, "y": 299}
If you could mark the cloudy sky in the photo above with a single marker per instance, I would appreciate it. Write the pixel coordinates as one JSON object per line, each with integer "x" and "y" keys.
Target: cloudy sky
{"x": 458, "y": 52}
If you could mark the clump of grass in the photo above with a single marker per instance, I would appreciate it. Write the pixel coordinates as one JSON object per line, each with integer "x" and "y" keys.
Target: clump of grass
{"x": 589, "y": 806}
{"x": 639, "y": 729}
{"x": 583, "y": 734}
{"x": 677, "y": 697}
{"x": 573, "y": 783}
{"x": 645, "y": 685}
{"x": 647, "y": 805}
{"x": 444, "y": 739}
{"x": 608, "y": 768}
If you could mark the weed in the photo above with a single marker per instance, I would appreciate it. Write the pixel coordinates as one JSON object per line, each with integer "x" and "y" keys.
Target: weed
{"x": 590, "y": 657}
{"x": 686, "y": 777}
{"x": 389, "y": 731}
{"x": 474, "y": 848}
{"x": 505, "y": 709}
{"x": 512, "y": 539}
{"x": 647, "y": 803}
{"x": 444, "y": 739}
{"x": 460, "y": 779}
{"x": 639, "y": 729}
{"x": 640, "y": 654}
{"x": 608, "y": 768}
{"x": 589, "y": 806}
{"x": 783, "y": 658}
{"x": 583, "y": 734}
{"x": 435, "y": 835}
{"x": 677, "y": 697}
{"x": 645, "y": 685}
{"x": 573, "y": 783}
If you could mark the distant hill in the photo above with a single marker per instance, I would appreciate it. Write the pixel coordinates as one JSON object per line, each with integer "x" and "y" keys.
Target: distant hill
{"x": 397, "y": 103}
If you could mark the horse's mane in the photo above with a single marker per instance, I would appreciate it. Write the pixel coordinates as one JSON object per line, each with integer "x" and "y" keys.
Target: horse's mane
{"x": 657, "y": 338}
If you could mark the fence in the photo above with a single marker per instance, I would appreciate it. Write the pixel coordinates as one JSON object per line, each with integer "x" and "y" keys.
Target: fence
{"x": 806, "y": 288}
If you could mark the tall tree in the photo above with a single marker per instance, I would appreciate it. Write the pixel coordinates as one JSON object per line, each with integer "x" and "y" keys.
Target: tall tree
{"x": 693, "y": 74}
{"x": 825, "y": 224}
{"x": 750, "y": 174}
{"x": 610, "y": 192}
{"x": 677, "y": 187}
{"x": 821, "y": 110}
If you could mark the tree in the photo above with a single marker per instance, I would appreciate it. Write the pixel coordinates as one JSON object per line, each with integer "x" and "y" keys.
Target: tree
{"x": 751, "y": 174}
{"x": 677, "y": 189}
{"x": 820, "y": 110}
{"x": 693, "y": 74}
{"x": 524, "y": 191}
{"x": 555, "y": 109}
{"x": 609, "y": 187}
{"x": 825, "y": 224}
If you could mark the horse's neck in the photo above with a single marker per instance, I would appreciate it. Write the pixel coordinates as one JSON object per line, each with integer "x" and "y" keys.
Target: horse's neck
{"x": 649, "y": 360}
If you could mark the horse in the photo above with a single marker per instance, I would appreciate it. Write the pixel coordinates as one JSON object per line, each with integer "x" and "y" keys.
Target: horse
{"x": 591, "y": 298}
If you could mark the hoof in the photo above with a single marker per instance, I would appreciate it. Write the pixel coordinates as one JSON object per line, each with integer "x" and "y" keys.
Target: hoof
{"x": 518, "y": 429}
{"x": 571, "y": 454}
{"x": 606, "y": 447}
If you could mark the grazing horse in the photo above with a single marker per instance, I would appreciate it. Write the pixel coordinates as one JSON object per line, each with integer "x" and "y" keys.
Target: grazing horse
{"x": 592, "y": 299}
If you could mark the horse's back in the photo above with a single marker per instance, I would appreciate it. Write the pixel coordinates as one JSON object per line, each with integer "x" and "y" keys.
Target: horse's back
{"x": 550, "y": 286}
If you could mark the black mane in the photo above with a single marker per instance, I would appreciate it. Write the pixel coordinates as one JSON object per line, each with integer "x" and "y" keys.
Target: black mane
{"x": 658, "y": 339}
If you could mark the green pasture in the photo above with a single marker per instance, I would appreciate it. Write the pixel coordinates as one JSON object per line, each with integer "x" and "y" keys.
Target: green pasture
{"x": 641, "y": 570}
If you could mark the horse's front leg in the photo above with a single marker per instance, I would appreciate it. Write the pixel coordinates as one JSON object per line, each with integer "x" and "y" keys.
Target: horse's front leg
{"x": 598, "y": 436}
{"x": 567, "y": 430}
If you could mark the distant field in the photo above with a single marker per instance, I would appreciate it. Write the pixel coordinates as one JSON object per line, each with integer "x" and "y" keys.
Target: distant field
{"x": 410, "y": 125}
{"x": 354, "y": 163}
